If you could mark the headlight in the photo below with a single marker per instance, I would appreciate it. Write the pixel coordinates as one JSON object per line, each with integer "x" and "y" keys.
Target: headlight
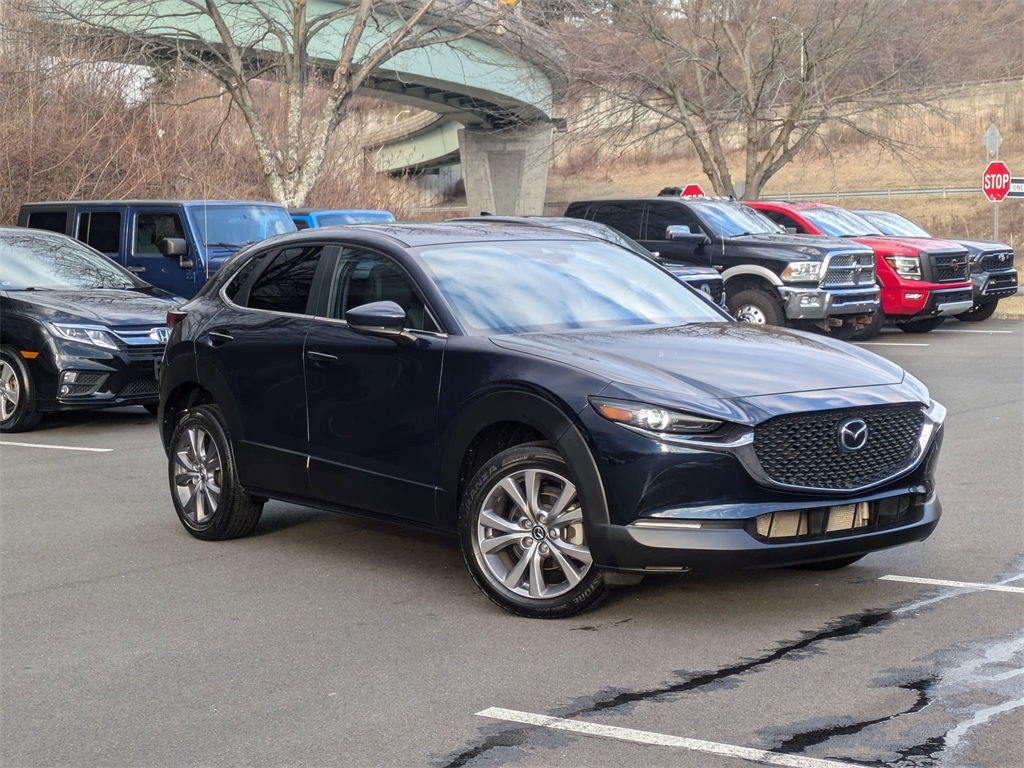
{"x": 907, "y": 267}
{"x": 653, "y": 418}
{"x": 802, "y": 272}
{"x": 85, "y": 334}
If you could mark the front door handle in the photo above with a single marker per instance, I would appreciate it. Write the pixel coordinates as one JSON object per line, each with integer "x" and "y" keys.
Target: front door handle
{"x": 136, "y": 270}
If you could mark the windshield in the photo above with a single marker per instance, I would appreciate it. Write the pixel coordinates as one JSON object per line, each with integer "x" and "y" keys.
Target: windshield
{"x": 35, "y": 260}
{"x": 735, "y": 220}
{"x": 596, "y": 229}
{"x": 893, "y": 224}
{"x": 352, "y": 217}
{"x": 232, "y": 226}
{"x": 558, "y": 285}
{"x": 840, "y": 223}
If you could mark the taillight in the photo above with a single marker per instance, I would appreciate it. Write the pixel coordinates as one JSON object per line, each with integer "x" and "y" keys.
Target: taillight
{"x": 174, "y": 317}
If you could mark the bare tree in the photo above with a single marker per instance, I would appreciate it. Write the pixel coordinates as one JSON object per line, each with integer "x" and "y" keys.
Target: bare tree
{"x": 762, "y": 76}
{"x": 251, "y": 47}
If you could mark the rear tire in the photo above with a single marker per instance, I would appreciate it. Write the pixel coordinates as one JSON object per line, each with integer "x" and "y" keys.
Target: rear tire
{"x": 522, "y": 535}
{"x": 978, "y": 313}
{"x": 19, "y": 409}
{"x": 756, "y": 307}
{"x": 921, "y": 326}
{"x": 204, "y": 483}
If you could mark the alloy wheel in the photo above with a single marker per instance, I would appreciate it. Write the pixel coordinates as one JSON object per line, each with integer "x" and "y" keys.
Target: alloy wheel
{"x": 529, "y": 534}
{"x": 197, "y": 475}
{"x": 10, "y": 391}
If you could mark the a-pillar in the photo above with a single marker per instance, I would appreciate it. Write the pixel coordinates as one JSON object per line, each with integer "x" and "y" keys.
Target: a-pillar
{"x": 506, "y": 172}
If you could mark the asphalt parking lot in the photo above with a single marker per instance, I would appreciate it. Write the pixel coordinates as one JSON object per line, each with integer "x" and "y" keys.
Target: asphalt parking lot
{"x": 327, "y": 640}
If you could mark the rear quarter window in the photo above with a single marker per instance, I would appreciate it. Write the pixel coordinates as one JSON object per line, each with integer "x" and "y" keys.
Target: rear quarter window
{"x": 55, "y": 221}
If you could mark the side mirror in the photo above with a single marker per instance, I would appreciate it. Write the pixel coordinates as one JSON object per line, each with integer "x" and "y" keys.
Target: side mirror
{"x": 792, "y": 231}
{"x": 682, "y": 233}
{"x": 172, "y": 246}
{"x": 383, "y": 319}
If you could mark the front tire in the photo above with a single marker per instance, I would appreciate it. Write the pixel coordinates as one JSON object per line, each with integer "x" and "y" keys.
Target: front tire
{"x": 19, "y": 410}
{"x": 978, "y": 313}
{"x": 872, "y": 328}
{"x": 756, "y": 307}
{"x": 522, "y": 534}
{"x": 921, "y": 326}
{"x": 829, "y": 565}
{"x": 204, "y": 483}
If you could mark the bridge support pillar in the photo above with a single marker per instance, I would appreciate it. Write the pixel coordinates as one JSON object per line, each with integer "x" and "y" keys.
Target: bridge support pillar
{"x": 506, "y": 172}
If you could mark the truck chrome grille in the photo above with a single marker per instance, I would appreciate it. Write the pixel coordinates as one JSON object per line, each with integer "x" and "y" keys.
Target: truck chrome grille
{"x": 805, "y": 450}
{"x": 850, "y": 270}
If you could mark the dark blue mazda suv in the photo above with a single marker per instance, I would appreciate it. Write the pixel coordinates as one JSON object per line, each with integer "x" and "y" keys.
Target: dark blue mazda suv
{"x": 568, "y": 409}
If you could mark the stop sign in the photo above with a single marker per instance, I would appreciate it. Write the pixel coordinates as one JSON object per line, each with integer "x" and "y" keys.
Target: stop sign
{"x": 695, "y": 190}
{"x": 995, "y": 182}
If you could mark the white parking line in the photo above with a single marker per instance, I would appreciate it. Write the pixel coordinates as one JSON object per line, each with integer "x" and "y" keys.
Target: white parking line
{"x": 890, "y": 344}
{"x": 660, "y": 739}
{"x": 957, "y": 330}
{"x": 58, "y": 447}
{"x": 956, "y": 584}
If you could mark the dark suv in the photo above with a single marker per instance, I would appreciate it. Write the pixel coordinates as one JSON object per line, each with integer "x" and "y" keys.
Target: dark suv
{"x": 500, "y": 383}
{"x": 771, "y": 277}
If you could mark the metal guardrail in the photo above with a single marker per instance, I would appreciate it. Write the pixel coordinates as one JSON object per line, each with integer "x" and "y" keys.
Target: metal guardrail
{"x": 944, "y": 191}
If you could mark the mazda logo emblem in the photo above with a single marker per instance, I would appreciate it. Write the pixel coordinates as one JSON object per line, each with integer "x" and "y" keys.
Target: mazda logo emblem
{"x": 538, "y": 533}
{"x": 852, "y": 435}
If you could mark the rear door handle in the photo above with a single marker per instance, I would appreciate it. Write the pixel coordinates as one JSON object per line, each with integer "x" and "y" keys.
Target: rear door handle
{"x": 136, "y": 270}
{"x": 219, "y": 337}
{"x": 321, "y": 358}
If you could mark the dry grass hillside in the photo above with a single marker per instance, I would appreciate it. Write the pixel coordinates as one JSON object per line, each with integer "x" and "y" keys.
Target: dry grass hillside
{"x": 948, "y": 152}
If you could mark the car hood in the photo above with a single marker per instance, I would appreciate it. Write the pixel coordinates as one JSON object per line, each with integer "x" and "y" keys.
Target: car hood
{"x": 712, "y": 360}
{"x": 107, "y": 306}
{"x": 807, "y": 245}
{"x": 909, "y": 246}
{"x": 985, "y": 246}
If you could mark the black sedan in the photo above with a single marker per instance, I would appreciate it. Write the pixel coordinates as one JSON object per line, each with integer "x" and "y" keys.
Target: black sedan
{"x": 76, "y": 330}
{"x": 572, "y": 412}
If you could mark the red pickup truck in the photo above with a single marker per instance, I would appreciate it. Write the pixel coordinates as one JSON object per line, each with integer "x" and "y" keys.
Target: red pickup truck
{"x": 923, "y": 281}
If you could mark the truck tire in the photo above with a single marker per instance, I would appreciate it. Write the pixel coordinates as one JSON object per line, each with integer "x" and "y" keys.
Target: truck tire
{"x": 921, "y": 326}
{"x": 978, "y": 313}
{"x": 757, "y": 307}
{"x": 872, "y": 329}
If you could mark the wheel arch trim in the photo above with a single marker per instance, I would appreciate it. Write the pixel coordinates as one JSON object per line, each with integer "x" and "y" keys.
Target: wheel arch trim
{"x": 538, "y": 412}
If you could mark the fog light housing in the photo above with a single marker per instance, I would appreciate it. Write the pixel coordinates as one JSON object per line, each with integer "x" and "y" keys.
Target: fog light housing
{"x": 79, "y": 383}
{"x": 810, "y": 301}
{"x": 913, "y": 296}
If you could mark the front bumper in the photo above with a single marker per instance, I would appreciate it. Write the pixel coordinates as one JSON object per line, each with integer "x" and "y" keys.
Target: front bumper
{"x": 992, "y": 286}
{"x": 718, "y": 549}
{"x": 818, "y": 303}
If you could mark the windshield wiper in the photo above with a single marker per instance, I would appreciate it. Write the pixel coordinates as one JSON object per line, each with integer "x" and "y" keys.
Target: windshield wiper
{"x": 223, "y": 245}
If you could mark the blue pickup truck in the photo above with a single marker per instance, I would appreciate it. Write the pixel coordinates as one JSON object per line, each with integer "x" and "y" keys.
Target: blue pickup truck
{"x": 173, "y": 244}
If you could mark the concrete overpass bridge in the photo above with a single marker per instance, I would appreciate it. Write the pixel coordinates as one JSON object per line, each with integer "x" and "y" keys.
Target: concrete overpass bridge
{"x": 491, "y": 93}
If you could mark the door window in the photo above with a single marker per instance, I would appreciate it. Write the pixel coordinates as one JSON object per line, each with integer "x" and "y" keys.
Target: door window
{"x": 151, "y": 228}
{"x": 286, "y": 283}
{"x": 785, "y": 221}
{"x": 363, "y": 277}
{"x": 101, "y": 230}
{"x": 620, "y": 216}
{"x": 660, "y": 216}
{"x": 55, "y": 221}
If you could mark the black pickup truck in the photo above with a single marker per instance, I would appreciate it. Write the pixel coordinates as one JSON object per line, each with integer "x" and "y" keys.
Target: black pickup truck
{"x": 771, "y": 276}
